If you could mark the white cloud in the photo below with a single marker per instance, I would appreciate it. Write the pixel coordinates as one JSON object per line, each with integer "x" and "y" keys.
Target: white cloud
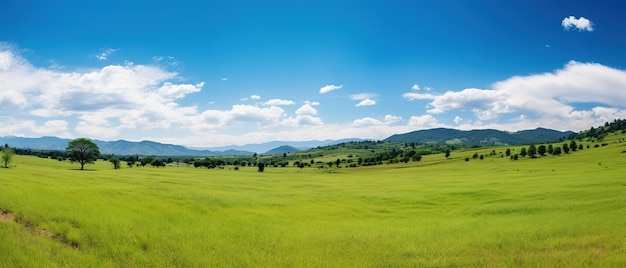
{"x": 368, "y": 121}
{"x": 255, "y": 97}
{"x": 548, "y": 99}
{"x": 242, "y": 114}
{"x": 133, "y": 95}
{"x": 312, "y": 103}
{"x": 328, "y": 88}
{"x": 366, "y": 102}
{"x": 392, "y": 119}
{"x": 362, "y": 96}
{"x": 278, "y": 102}
{"x": 415, "y": 87}
{"x": 224, "y": 79}
{"x": 424, "y": 122}
{"x": 105, "y": 53}
{"x": 457, "y": 120}
{"x": 582, "y": 24}
{"x": 171, "y": 91}
{"x": 418, "y": 96}
{"x": 305, "y": 115}
{"x": 306, "y": 109}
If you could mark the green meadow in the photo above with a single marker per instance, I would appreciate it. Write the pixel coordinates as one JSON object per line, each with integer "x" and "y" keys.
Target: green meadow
{"x": 554, "y": 211}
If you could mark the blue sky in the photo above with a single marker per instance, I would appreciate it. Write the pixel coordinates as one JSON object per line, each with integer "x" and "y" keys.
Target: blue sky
{"x": 235, "y": 72}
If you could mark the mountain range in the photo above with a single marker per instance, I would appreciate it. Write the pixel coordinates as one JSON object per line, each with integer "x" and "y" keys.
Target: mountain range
{"x": 432, "y": 136}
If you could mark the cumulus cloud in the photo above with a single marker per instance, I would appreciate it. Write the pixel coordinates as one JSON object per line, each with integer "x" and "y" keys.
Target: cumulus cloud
{"x": 458, "y": 120}
{"x": 366, "y": 102}
{"x": 582, "y": 24}
{"x": 131, "y": 96}
{"x": 239, "y": 114}
{"x": 278, "y": 102}
{"x": 329, "y": 88}
{"x": 548, "y": 99}
{"x": 369, "y": 121}
{"x": 255, "y": 97}
{"x": 424, "y": 121}
{"x": 305, "y": 115}
{"x": 415, "y": 87}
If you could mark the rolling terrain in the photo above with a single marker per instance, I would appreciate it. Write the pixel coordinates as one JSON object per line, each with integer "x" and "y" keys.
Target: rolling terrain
{"x": 549, "y": 211}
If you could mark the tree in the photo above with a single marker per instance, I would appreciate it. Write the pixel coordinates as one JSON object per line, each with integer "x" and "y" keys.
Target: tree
{"x": 146, "y": 160}
{"x": 573, "y": 146}
{"x": 157, "y": 163}
{"x": 82, "y": 151}
{"x": 542, "y": 150}
{"x": 447, "y": 152}
{"x": 557, "y": 151}
{"x": 417, "y": 158}
{"x": 115, "y": 161}
{"x": 523, "y": 152}
{"x": 7, "y": 156}
{"x": 565, "y": 148}
{"x": 550, "y": 149}
{"x": 337, "y": 162}
{"x": 532, "y": 151}
{"x": 508, "y": 152}
{"x": 261, "y": 166}
{"x": 475, "y": 155}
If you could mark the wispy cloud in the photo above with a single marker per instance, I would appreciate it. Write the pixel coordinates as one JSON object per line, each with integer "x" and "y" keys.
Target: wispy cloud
{"x": 329, "y": 88}
{"x": 278, "y": 102}
{"x": 105, "y": 53}
{"x": 582, "y": 24}
{"x": 415, "y": 87}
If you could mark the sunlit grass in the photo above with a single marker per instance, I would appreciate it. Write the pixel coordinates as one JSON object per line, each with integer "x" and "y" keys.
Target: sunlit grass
{"x": 553, "y": 211}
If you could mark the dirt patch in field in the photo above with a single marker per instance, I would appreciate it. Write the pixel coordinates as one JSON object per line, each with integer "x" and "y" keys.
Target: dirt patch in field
{"x": 6, "y": 217}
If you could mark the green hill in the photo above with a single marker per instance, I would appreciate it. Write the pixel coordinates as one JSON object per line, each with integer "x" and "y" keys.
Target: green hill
{"x": 483, "y": 137}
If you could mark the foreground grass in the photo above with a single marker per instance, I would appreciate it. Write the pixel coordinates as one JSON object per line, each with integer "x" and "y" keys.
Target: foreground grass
{"x": 550, "y": 212}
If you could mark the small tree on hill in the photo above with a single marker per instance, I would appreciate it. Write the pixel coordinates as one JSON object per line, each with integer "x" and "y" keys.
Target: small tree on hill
{"x": 447, "y": 152}
{"x": 550, "y": 149}
{"x": 523, "y": 152}
{"x": 532, "y": 151}
{"x": 261, "y": 166}
{"x": 542, "y": 150}
{"x": 115, "y": 161}
{"x": 508, "y": 152}
{"x": 82, "y": 151}
{"x": 565, "y": 148}
{"x": 7, "y": 155}
{"x": 573, "y": 146}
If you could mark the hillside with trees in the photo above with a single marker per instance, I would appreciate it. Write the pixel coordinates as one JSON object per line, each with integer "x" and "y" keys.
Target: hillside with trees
{"x": 481, "y": 137}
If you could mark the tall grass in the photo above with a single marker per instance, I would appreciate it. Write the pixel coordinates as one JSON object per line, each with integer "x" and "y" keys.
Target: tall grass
{"x": 553, "y": 211}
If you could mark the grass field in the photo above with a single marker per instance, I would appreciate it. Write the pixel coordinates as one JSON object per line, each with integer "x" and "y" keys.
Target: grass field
{"x": 565, "y": 211}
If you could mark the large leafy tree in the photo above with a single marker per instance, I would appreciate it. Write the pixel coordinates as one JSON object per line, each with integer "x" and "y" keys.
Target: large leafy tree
{"x": 82, "y": 151}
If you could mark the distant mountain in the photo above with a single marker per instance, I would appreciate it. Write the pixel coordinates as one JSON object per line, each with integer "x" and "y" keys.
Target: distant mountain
{"x": 482, "y": 137}
{"x": 262, "y": 148}
{"x": 282, "y": 150}
{"x": 119, "y": 147}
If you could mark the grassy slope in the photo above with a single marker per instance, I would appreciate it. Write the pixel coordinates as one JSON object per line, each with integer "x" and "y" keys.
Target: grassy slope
{"x": 555, "y": 211}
